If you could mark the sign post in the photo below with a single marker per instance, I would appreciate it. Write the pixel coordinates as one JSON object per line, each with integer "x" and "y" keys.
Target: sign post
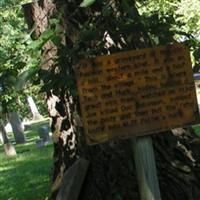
{"x": 146, "y": 168}
{"x": 136, "y": 93}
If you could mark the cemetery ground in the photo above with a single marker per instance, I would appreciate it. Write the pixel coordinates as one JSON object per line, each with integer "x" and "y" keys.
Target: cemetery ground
{"x": 27, "y": 175}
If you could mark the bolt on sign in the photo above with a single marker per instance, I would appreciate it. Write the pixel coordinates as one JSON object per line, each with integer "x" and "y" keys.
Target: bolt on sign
{"x": 136, "y": 93}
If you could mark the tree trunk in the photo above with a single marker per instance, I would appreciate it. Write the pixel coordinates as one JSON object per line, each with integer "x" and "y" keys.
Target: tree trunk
{"x": 107, "y": 160}
{"x": 17, "y": 127}
{"x": 1, "y": 138}
{"x": 111, "y": 174}
{"x": 59, "y": 100}
{"x": 8, "y": 147}
{"x": 33, "y": 108}
{"x": 3, "y": 134}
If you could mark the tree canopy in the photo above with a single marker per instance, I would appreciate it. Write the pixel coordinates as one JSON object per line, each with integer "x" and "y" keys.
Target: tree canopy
{"x": 18, "y": 63}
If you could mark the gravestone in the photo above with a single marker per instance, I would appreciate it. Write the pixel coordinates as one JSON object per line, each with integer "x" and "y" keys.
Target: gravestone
{"x": 44, "y": 134}
{"x": 33, "y": 108}
{"x": 40, "y": 143}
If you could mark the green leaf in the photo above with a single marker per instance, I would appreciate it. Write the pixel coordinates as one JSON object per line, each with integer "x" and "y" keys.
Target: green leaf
{"x": 56, "y": 40}
{"x": 46, "y": 35}
{"x": 39, "y": 43}
{"x": 11, "y": 80}
{"x": 24, "y": 77}
{"x": 54, "y": 21}
{"x": 36, "y": 44}
{"x": 20, "y": 65}
{"x": 87, "y": 3}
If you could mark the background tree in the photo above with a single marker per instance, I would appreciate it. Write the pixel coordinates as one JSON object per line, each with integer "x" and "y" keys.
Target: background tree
{"x": 15, "y": 59}
{"x": 8, "y": 147}
{"x": 171, "y": 21}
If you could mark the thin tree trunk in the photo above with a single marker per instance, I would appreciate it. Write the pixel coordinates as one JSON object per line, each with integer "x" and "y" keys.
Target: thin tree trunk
{"x": 3, "y": 133}
{"x": 1, "y": 138}
{"x": 33, "y": 108}
{"x": 17, "y": 127}
{"x": 8, "y": 147}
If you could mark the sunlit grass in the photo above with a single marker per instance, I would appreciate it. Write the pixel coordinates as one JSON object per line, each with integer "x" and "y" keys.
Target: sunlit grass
{"x": 27, "y": 175}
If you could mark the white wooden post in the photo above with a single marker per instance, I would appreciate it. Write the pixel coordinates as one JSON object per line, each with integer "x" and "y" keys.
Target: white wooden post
{"x": 146, "y": 168}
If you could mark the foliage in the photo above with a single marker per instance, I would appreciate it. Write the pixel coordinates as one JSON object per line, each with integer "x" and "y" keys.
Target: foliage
{"x": 18, "y": 63}
{"x": 168, "y": 21}
{"x": 10, "y": 3}
{"x": 26, "y": 176}
{"x": 88, "y": 37}
{"x": 188, "y": 12}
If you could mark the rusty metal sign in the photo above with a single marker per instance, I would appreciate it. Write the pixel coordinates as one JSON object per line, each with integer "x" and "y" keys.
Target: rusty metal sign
{"x": 136, "y": 93}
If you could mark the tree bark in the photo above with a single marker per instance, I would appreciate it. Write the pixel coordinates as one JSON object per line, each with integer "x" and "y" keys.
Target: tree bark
{"x": 17, "y": 127}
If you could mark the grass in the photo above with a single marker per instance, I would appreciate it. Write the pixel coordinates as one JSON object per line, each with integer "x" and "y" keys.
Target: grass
{"x": 196, "y": 129}
{"x": 27, "y": 175}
